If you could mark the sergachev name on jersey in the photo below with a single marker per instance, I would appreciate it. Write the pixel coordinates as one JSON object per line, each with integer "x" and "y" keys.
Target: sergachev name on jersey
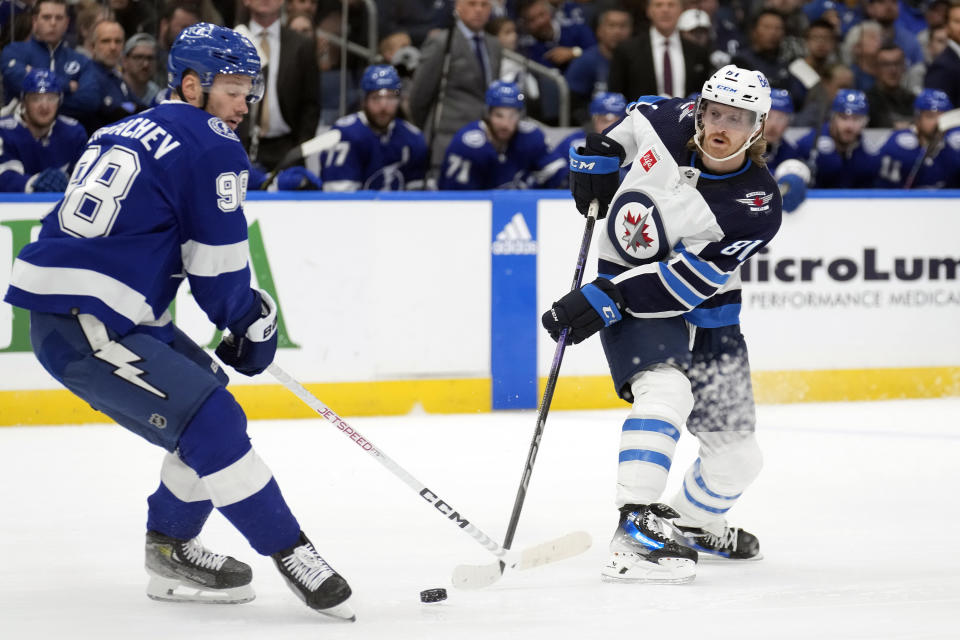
{"x": 515, "y": 239}
{"x": 145, "y": 131}
{"x": 844, "y": 269}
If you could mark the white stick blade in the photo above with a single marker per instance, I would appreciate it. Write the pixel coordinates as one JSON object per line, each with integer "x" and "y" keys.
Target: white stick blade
{"x": 468, "y": 576}
{"x": 949, "y": 120}
{"x": 324, "y": 141}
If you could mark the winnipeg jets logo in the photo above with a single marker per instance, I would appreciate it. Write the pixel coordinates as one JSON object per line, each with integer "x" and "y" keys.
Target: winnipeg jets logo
{"x": 757, "y": 201}
{"x": 686, "y": 111}
{"x": 634, "y": 235}
{"x": 122, "y": 358}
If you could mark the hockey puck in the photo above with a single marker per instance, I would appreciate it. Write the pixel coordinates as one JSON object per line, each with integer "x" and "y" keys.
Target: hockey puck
{"x": 433, "y": 595}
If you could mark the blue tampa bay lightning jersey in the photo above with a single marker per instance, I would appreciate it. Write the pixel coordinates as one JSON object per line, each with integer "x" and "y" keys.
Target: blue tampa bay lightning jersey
{"x": 901, "y": 152}
{"x": 854, "y": 168}
{"x": 22, "y": 156}
{"x": 155, "y": 198}
{"x": 364, "y": 159}
{"x": 677, "y": 234}
{"x": 472, "y": 162}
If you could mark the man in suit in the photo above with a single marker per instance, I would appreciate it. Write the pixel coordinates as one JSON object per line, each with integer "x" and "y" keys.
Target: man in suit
{"x": 944, "y": 71}
{"x": 657, "y": 61}
{"x": 474, "y": 62}
{"x": 290, "y": 110}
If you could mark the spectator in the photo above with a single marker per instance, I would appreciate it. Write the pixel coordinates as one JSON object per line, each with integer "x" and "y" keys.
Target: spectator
{"x": 846, "y": 13}
{"x": 764, "y": 54}
{"x": 46, "y": 50}
{"x": 944, "y": 71}
{"x": 934, "y": 43}
{"x": 135, "y": 16}
{"x": 305, "y": 7}
{"x": 891, "y": 105}
{"x": 87, "y": 18}
{"x": 301, "y": 22}
{"x": 934, "y": 164}
{"x": 835, "y": 152}
{"x": 139, "y": 66}
{"x": 377, "y": 150}
{"x": 657, "y": 61}
{"x": 415, "y": 17}
{"x": 778, "y": 120}
{"x": 473, "y": 61}
{"x": 694, "y": 26}
{"x": 886, "y": 13}
{"x": 177, "y": 16}
{"x": 606, "y": 110}
{"x": 859, "y": 50}
{"x": 820, "y": 43}
{"x": 727, "y": 37}
{"x": 587, "y": 75}
{"x": 501, "y": 151}
{"x": 553, "y": 43}
{"x": 117, "y": 100}
{"x": 935, "y": 17}
{"x": 19, "y": 11}
{"x": 38, "y": 148}
{"x": 289, "y": 111}
{"x": 504, "y": 29}
{"x": 795, "y": 25}
{"x": 816, "y": 107}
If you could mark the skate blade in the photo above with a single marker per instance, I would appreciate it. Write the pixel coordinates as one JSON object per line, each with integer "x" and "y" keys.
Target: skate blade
{"x": 713, "y": 558}
{"x": 343, "y": 612}
{"x": 173, "y": 590}
{"x": 625, "y": 570}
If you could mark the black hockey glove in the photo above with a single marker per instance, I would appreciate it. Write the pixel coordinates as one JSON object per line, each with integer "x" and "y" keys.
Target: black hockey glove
{"x": 595, "y": 172}
{"x": 585, "y": 311}
{"x": 252, "y": 342}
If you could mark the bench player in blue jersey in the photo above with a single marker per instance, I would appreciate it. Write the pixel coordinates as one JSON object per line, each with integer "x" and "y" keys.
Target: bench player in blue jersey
{"x": 38, "y": 148}
{"x": 377, "y": 150}
{"x": 156, "y": 199}
{"x": 501, "y": 151}
{"x": 606, "y": 109}
{"x": 696, "y": 203}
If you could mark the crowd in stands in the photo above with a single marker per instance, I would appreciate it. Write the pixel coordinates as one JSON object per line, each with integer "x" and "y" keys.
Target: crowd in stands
{"x": 450, "y": 100}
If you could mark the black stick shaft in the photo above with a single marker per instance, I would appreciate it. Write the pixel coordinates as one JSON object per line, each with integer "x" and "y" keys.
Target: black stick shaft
{"x": 550, "y": 387}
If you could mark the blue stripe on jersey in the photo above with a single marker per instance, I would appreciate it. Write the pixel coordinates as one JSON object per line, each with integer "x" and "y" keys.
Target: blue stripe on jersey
{"x": 684, "y": 292}
{"x": 704, "y": 268}
{"x": 691, "y": 278}
{"x": 698, "y": 478}
{"x": 711, "y": 318}
{"x": 720, "y": 176}
{"x": 699, "y": 504}
{"x": 644, "y": 455}
{"x": 651, "y": 424}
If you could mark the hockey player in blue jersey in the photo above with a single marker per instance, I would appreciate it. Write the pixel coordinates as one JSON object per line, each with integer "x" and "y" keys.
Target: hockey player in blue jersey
{"x": 156, "y": 199}
{"x": 903, "y": 150}
{"x": 377, "y": 150}
{"x": 606, "y": 109}
{"x": 696, "y": 204}
{"x": 502, "y": 151}
{"x": 781, "y": 113}
{"x": 38, "y": 148}
{"x": 836, "y": 154}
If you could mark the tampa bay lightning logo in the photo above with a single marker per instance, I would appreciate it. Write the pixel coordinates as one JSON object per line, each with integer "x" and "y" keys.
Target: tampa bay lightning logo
{"x": 635, "y": 228}
{"x": 221, "y": 128}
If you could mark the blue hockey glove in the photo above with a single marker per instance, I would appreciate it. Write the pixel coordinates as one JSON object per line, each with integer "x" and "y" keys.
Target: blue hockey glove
{"x": 298, "y": 179}
{"x": 47, "y": 181}
{"x": 595, "y": 172}
{"x": 584, "y": 311}
{"x": 252, "y": 342}
{"x": 793, "y": 191}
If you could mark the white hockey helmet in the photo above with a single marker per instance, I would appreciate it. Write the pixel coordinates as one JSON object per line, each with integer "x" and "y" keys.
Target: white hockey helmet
{"x": 736, "y": 87}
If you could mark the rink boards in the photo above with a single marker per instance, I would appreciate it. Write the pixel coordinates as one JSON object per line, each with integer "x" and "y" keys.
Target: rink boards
{"x": 392, "y": 303}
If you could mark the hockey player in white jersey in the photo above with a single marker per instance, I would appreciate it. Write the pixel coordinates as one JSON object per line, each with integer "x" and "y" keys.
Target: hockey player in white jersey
{"x": 696, "y": 203}
{"x": 156, "y": 199}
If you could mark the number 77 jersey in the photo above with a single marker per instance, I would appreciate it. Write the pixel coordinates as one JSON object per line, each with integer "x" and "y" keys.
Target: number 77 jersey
{"x": 153, "y": 199}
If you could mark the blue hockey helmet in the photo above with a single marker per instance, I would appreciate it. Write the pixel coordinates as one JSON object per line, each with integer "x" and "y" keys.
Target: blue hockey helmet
{"x": 504, "y": 94}
{"x": 608, "y": 102}
{"x": 40, "y": 81}
{"x": 208, "y": 50}
{"x": 932, "y": 100}
{"x": 850, "y": 102}
{"x": 780, "y": 101}
{"x": 380, "y": 76}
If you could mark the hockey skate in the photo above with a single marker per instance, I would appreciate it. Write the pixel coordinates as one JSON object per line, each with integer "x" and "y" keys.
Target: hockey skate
{"x": 639, "y": 551}
{"x": 314, "y": 581}
{"x": 185, "y": 571}
{"x": 721, "y": 541}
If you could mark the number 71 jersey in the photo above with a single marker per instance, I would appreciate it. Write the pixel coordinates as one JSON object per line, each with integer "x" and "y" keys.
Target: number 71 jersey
{"x": 153, "y": 199}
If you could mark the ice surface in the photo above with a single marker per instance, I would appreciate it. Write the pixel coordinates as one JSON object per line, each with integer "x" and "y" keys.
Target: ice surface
{"x": 856, "y": 509}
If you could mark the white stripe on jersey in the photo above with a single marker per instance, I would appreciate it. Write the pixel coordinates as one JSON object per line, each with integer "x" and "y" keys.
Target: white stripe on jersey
{"x": 210, "y": 260}
{"x": 69, "y": 281}
{"x": 238, "y": 481}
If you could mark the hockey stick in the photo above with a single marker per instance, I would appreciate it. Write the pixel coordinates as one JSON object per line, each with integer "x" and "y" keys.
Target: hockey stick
{"x": 488, "y": 574}
{"x": 550, "y": 551}
{"x": 947, "y": 120}
{"x": 322, "y": 142}
{"x": 442, "y": 89}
